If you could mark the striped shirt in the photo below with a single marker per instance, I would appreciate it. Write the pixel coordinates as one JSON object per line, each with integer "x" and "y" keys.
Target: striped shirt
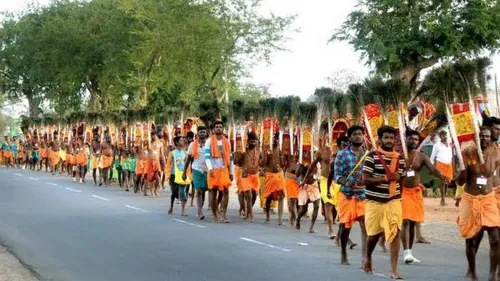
{"x": 374, "y": 168}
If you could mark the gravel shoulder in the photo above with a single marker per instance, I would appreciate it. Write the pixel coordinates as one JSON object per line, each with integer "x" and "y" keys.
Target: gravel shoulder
{"x": 13, "y": 270}
{"x": 441, "y": 222}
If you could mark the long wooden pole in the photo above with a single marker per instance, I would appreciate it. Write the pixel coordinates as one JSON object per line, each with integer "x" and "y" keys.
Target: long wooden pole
{"x": 496, "y": 96}
{"x": 454, "y": 137}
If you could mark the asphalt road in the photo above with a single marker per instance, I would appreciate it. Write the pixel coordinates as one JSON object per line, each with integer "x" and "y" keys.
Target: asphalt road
{"x": 71, "y": 232}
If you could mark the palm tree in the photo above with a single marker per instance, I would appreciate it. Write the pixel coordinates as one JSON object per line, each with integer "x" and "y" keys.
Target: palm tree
{"x": 306, "y": 116}
{"x": 286, "y": 110}
{"x": 457, "y": 82}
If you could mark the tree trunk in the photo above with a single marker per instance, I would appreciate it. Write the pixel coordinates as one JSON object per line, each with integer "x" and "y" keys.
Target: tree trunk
{"x": 33, "y": 103}
{"x": 95, "y": 93}
{"x": 409, "y": 73}
{"x": 104, "y": 102}
{"x": 143, "y": 98}
{"x": 93, "y": 100}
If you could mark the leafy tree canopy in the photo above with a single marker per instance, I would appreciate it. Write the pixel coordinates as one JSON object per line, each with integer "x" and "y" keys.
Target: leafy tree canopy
{"x": 399, "y": 38}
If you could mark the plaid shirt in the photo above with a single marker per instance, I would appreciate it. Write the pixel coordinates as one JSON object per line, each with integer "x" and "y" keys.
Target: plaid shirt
{"x": 344, "y": 163}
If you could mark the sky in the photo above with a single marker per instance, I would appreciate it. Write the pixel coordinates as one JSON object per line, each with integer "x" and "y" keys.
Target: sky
{"x": 310, "y": 59}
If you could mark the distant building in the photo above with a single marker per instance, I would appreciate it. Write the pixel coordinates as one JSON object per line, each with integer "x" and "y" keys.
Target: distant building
{"x": 493, "y": 102}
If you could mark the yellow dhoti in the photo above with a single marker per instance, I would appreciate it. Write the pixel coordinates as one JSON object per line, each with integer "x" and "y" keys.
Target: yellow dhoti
{"x": 324, "y": 191}
{"x": 384, "y": 217}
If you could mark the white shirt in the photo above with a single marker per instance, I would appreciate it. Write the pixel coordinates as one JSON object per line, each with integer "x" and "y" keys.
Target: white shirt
{"x": 199, "y": 163}
{"x": 217, "y": 163}
{"x": 442, "y": 153}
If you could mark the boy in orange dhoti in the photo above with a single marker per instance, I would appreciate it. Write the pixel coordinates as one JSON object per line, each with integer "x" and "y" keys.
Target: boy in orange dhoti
{"x": 140, "y": 169}
{"x": 54, "y": 157}
{"x": 153, "y": 175}
{"x": 44, "y": 156}
{"x": 292, "y": 186}
{"x": 272, "y": 162}
{"x": 106, "y": 162}
{"x": 81, "y": 162}
{"x": 413, "y": 201}
{"x": 249, "y": 162}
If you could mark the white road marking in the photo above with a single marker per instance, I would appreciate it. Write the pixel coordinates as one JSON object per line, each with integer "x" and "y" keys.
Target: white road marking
{"x": 188, "y": 223}
{"x": 51, "y": 183}
{"x": 380, "y": 275}
{"x": 264, "y": 244}
{"x": 137, "y": 209}
{"x": 17, "y": 174}
{"x": 32, "y": 178}
{"x": 99, "y": 197}
{"x": 132, "y": 207}
{"x": 74, "y": 190}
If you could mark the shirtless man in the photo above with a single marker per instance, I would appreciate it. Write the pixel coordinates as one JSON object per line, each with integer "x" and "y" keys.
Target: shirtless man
{"x": 292, "y": 181}
{"x": 473, "y": 221}
{"x": 272, "y": 162}
{"x": 159, "y": 156}
{"x": 55, "y": 158}
{"x": 308, "y": 193}
{"x": 95, "y": 156}
{"x": 249, "y": 163}
{"x": 106, "y": 162}
{"x": 413, "y": 201}
{"x": 324, "y": 157}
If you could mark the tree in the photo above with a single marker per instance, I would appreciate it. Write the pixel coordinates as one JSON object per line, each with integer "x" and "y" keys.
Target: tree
{"x": 400, "y": 38}
{"x": 342, "y": 78}
{"x": 21, "y": 53}
{"x": 248, "y": 92}
{"x": 248, "y": 36}
{"x": 88, "y": 43}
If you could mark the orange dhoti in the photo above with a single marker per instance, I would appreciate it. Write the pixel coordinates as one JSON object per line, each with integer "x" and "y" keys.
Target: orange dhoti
{"x": 106, "y": 161}
{"x": 44, "y": 154}
{"x": 81, "y": 159}
{"x": 445, "y": 169}
{"x": 273, "y": 185}
{"x": 7, "y": 155}
{"x": 477, "y": 212}
{"x": 153, "y": 169}
{"x": 292, "y": 186}
{"x": 54, "y": 158}
{"x": 350, "y": 210}
{"x": 497, "y": 196}
{"x": 413, "y": 203}
{"x": 309, "y": 193}
{"x": 251, "y": 182}
{"x": 220, "y": 179}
